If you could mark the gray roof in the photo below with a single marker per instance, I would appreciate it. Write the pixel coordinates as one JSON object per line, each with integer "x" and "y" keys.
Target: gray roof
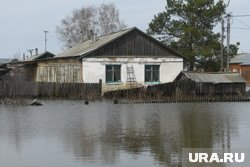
{"x": 243, "y": 59}
{"x": 215, "y": 77}
{"x": 38, "y": 56}
{"x": 89, "y": 45}
{"x": 4, "y": 60}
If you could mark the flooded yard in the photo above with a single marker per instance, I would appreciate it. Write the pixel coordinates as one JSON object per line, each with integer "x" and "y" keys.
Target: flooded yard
{"x": 71, "y": 134}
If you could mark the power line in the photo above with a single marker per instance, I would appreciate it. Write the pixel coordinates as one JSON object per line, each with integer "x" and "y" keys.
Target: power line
{"x": 243, "y": 23}
{"x": 240, "y": 28}
{"x": 240, "y": 15}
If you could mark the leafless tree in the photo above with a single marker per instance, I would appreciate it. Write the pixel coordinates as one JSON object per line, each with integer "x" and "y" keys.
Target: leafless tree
{"x": 109, "y": 20}
{"x": 102, "y": 20}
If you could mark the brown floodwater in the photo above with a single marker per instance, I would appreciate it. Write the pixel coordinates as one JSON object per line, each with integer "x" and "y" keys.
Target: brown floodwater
{"x": 71, "y": 134}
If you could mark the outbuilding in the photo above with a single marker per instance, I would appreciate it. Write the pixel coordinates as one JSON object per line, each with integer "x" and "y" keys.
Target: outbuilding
{"x": 241, "y": 64}
{"x": 210, "y": 84}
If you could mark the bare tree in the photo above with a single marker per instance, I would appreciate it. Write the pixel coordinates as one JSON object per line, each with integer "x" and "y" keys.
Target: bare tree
{"x": 102, "y": 20}
{"x": 109, "y": 20}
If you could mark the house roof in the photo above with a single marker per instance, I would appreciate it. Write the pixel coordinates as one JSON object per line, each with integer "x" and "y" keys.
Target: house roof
{"x": 243, "y": 59}
{"x": 4, "y": 60}
{"x": 39, "y": 56}
{"x": 213, "y": 77}
{"x": 89, "y": 46}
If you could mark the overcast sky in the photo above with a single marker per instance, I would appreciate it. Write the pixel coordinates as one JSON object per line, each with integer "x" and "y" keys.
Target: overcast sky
{"x": 23, "y": 21}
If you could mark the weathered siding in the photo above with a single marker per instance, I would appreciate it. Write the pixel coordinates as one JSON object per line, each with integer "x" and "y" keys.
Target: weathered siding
{"x": 17, "y": 88}
{"x": 134, "y": 44}
{"x": 245, "y": 72}
{"x": 21, "y": 72}
{"x": 187, "y": 87}
{"x": 235, "y": 68}
{"x": 60, "y": 71}
{"x": 187, "y": 90}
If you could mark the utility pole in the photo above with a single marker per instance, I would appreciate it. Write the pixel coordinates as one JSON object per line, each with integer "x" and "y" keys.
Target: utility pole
{"x": 228, "y": 40}
{"x": 222, "y": 46}
{"x": 45, "y": 40}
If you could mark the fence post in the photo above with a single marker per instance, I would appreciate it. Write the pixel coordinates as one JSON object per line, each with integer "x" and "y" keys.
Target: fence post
{"x": 100, "y": 87}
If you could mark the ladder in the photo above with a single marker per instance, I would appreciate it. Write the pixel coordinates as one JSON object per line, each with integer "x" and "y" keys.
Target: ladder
{"x": 131, "y": 80}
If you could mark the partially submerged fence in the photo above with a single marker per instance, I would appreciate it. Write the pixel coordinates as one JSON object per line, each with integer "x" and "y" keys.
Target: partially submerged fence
{"x": 182, "y": 91}
{"x": 149, "y": 92}
{"x": 49, "y": 89}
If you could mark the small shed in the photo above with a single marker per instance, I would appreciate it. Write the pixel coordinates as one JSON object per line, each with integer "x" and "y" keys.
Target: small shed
{"x": 27, "y": 69}
{"x": 241, "y": 64}
{"x": 210, "y": 84}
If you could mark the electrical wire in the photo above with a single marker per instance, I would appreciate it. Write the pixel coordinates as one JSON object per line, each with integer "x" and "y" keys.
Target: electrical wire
{"x": 242, "y": 22}
{"x": 241, "y": 28}
{"x": 240, "y": 15}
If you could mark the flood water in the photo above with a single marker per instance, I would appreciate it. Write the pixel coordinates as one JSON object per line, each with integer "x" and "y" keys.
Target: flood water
{"x": 71, "y": 134}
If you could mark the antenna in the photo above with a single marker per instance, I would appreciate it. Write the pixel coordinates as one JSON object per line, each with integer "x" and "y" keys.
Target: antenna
{"x": 31, "y": 50}
{"x": 45, "y": 40}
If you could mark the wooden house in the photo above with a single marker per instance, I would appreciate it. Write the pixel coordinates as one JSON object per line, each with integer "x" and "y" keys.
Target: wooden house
{"x": 124, "y": 59}
{"x": 210, "y": 84}
{"x": 27, "y": 69}
{"x": 241, "y": 64}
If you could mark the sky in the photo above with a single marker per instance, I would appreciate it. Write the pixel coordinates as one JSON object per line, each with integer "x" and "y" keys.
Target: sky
{"x": 23, "y": 21}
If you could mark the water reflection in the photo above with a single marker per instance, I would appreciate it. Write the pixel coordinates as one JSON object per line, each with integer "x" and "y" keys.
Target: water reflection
{"x": 119, "y": 135}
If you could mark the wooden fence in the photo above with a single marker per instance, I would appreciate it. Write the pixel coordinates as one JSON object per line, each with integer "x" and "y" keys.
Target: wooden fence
{"x": 176, "y": 91}
{"x": 49, "y": 89}
{"x": 149, "y": 92}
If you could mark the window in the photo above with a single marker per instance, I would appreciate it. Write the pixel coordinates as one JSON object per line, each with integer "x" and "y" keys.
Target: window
{"x": 152, "y": 73}
{"x": 113, "y": 73}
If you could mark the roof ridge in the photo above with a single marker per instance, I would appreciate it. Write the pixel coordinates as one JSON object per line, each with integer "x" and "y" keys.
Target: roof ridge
{"x": 128, "y": 29}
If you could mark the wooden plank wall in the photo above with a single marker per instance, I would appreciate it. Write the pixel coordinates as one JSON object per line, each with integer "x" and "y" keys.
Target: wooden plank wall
{"x": 180, "y": 90}
{"x": 49, "y": 89}
{"x": 133, "y": 44}
{"x": 151, "y": 92}
{"x": 62, "y": 73}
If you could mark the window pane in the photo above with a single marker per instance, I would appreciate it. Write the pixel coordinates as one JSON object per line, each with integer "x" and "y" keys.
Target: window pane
{"x": 117, "y": 67}
{"x": 147, "y": 76}
{"x": 113, "y": 73}
{"x": 155, "y": 76}
{"x": 117, "y": 76}
{"x": 152, "y": 73}
{"x": 109, "y": 76}
{"x": 108, "y": 67}
{"x": 156, "y": 67}
{"x": 147, "y": 67}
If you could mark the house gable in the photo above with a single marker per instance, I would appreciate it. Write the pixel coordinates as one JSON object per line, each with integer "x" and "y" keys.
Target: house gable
{"x": 135, "y": 43}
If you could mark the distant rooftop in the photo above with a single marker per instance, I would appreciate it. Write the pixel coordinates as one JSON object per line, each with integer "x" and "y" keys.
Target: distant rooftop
{"x": 213, "y": 77}
{"x": 243, "y": 59}
{"x": 43, "y": 55}
{"x": 4, "y": 60}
